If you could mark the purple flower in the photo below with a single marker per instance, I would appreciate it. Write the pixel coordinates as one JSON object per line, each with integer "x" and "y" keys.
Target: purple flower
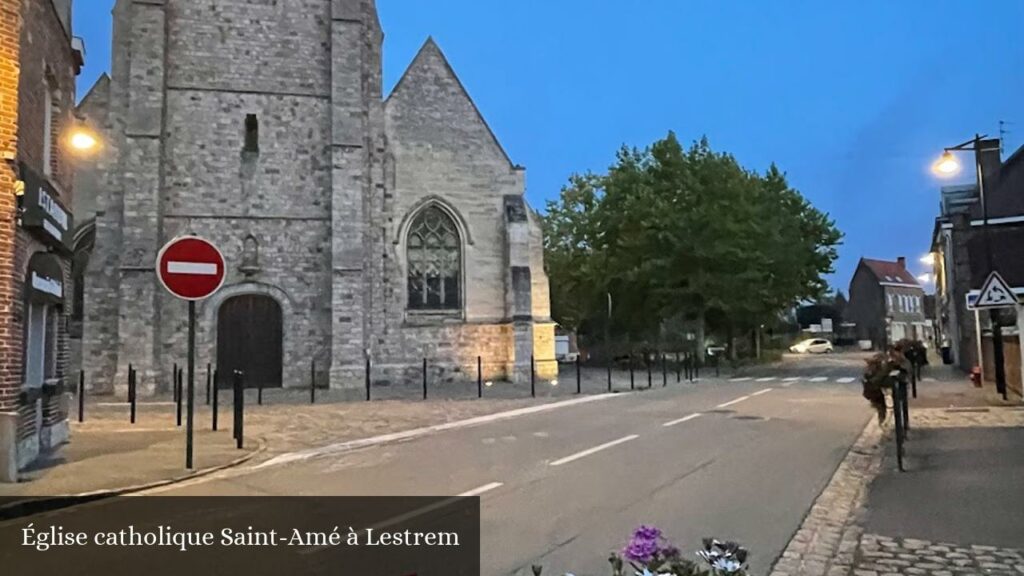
{"x": 644, "y": 545}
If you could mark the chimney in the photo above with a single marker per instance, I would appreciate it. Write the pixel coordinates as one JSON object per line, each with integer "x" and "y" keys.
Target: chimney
{"x": 902, "y": 261}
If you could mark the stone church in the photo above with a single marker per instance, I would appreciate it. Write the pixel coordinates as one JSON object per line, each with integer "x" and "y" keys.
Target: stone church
{"x": 355, "y": 226}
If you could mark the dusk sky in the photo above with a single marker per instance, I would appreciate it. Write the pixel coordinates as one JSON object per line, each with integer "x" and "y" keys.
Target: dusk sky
{"x": 854, "y": 100}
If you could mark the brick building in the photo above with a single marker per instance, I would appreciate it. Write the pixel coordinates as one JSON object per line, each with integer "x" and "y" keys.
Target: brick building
{"x": 887, "y": 304}
{"x": 39, "y": 61}
{"x": 961, "y": 263}
{"x": 353, "y": 225}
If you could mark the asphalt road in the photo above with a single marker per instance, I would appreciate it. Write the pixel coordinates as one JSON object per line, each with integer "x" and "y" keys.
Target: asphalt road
{"x": 740, "y": 458}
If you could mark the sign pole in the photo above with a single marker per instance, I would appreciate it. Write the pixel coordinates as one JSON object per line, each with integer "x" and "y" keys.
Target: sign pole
{"x": 191, "y": 381}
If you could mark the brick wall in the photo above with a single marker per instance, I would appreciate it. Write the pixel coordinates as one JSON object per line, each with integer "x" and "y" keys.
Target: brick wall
{"x": 10, "y": 294}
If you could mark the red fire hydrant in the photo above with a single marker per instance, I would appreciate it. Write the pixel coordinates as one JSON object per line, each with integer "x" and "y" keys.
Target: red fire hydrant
{"x": 976, "y": 376}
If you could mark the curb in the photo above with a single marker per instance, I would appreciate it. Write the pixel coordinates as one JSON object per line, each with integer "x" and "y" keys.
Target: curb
{"x": 826, "y": 547}
{"x": 35, "y": 505}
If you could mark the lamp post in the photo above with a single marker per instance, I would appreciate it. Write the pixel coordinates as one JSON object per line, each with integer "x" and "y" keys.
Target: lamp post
{"x": 948, "y": 166}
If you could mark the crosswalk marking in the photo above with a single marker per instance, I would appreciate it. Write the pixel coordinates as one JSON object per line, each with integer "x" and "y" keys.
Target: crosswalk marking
{"x": 845, "y": 380}
{"x": 740, "y": 379}
{"x": 768, "y": 379}
{"x": 793, "y": 379}
{"x": 819, "y": 379}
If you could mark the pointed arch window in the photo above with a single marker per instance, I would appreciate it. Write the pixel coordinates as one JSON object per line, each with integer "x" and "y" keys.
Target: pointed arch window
{"x": 435, "y": 262}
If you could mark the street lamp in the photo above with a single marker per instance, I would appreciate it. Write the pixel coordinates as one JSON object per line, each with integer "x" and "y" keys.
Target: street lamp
{"x": 928, "y": 259}
{"x": 948, "y": 165}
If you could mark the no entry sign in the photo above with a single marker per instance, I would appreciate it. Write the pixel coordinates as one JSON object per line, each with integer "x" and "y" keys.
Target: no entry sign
{"x": 190, "y": 267}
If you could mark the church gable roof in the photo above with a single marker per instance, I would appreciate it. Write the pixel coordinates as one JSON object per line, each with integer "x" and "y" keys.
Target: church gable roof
{"x": 432, "y": 91}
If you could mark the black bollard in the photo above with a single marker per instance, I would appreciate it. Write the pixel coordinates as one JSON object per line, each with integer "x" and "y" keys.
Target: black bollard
{"x": 367, "y": 375}
{"x": 312, "y": 382}
{"x": 239, "y": 387}
{"x": 213, "y": 408}
{"x": 664, "y": 371}
{"x": 81, "y": 396}
{"x": 132, "y": 393}
{"x": 579, "y": 382}
{"x": 648, "y": 362}
{"x": 424, "y": 378}
{"x": 913, "y": 378}
{"x": 609, "y": 376}
{"x": 178, "y": 394}
{"x": 479, "y": 377}
{"x": 632, "y": 375}
{"x": 533, "y": 378}
{"x": 259, "y": 392}
{"x": 679, "y": 369}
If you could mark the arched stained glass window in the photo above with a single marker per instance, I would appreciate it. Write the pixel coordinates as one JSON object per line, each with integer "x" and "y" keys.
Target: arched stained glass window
{"x": 435, "y": 262}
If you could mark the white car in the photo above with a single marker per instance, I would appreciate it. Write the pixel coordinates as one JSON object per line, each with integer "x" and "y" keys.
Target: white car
{"x": 812, "y": 346}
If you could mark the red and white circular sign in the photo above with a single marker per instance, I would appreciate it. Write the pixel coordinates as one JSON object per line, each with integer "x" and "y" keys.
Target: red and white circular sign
{"x": 190, "y": 267}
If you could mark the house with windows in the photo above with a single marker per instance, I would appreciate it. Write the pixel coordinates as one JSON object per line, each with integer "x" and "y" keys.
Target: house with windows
{"x": 966, "y": 246}
{"x": 356, "y": 226}
{"x": 39, "y": 61}
{"x": 887, "y": 304}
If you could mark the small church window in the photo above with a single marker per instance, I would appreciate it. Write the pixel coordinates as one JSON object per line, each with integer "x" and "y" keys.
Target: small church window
{"x": 435, "y": 262}
{"x": 252, "y": 133}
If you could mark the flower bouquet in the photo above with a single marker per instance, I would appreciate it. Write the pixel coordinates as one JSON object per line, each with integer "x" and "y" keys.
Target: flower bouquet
{"x": 649, "y": 554}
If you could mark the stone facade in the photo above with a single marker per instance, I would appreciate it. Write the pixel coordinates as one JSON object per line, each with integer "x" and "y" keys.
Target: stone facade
{"x": 39, "y": 62}
{"x": 262, "y": 126}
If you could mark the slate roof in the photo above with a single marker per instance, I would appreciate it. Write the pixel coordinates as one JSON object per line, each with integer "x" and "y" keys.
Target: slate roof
{"x": 890, "y": 272}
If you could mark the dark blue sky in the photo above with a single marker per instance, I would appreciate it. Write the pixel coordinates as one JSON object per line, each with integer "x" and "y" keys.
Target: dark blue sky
{"x": 853, "y": 99}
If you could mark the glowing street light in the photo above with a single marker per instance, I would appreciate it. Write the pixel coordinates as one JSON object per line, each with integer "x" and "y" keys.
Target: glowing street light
{"x": 925, "y": 278}
{"x": 947, "y": 165}
{"x": 83, "y": 140}
{"x": 928, "y": 259}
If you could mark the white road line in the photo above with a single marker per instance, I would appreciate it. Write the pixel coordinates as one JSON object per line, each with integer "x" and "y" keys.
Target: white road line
{"x": 768, "y": 379}
{"x": 350, "y": 445}
{"x": 416, "y": 513}
{"x": 820, "y": 379}
{"x": 683, "y": 419}
{"x": 793, "y": 379}
{"x": 197, "y": 268}
{"x": 759, "y": 392}
{"x": 593, "y": 450}
{"x": 482, "y": 489}
{"x": 739, "y": 379}
{"x": 845, "y": 380}
{"x": 731, "y": 402}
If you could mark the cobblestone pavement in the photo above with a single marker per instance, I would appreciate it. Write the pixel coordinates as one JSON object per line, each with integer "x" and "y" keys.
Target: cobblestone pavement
{"x": 831, "y": 541}
{"x": 882, "y": 556}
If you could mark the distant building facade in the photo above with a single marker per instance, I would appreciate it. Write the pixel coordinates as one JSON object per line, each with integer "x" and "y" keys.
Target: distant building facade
{"x": 354, "y": 226}
{"x": 887, "y": 303}
{"x": 959, "y": 246}
{"x": 39, "y": 61}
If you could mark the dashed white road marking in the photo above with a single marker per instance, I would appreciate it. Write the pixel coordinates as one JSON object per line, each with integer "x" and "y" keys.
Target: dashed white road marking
{"x": 768, "y": 379}
{"x": 416, "y": 513}
{"x": 731, "y": 402}
{"x": 793, "y": 379}
{"x": 759, "y": 392}
{"x": 740, "y": 379}
{"x": 845, "y": 380}
{"x": 481, "y": 489}
{"x": 683, "y": 419}
{"x": 350, "y": 445}
{"x": 819, "y": 379}
{"x": 594, "y": 450}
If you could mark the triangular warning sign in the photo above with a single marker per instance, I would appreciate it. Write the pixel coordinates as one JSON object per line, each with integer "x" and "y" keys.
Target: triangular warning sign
{"x": 995, "y": 293}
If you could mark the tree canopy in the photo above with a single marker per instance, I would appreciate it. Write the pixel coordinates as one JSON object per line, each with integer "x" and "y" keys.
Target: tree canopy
{"x": 680, "y": 237}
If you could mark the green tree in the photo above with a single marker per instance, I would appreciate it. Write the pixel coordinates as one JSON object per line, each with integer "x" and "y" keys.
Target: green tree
{"x": 683, "y": 237}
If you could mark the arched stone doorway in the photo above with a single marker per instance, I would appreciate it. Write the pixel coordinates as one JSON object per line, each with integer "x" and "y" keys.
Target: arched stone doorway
{"x": 250, "y": 339}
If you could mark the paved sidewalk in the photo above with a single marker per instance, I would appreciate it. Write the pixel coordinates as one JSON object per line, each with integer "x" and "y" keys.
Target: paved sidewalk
{"x": 956, "y": 511}
{"x": 104, "y": 459}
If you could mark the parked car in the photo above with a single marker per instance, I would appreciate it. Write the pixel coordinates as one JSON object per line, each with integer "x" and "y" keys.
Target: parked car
{"x": 812, "y": 346}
